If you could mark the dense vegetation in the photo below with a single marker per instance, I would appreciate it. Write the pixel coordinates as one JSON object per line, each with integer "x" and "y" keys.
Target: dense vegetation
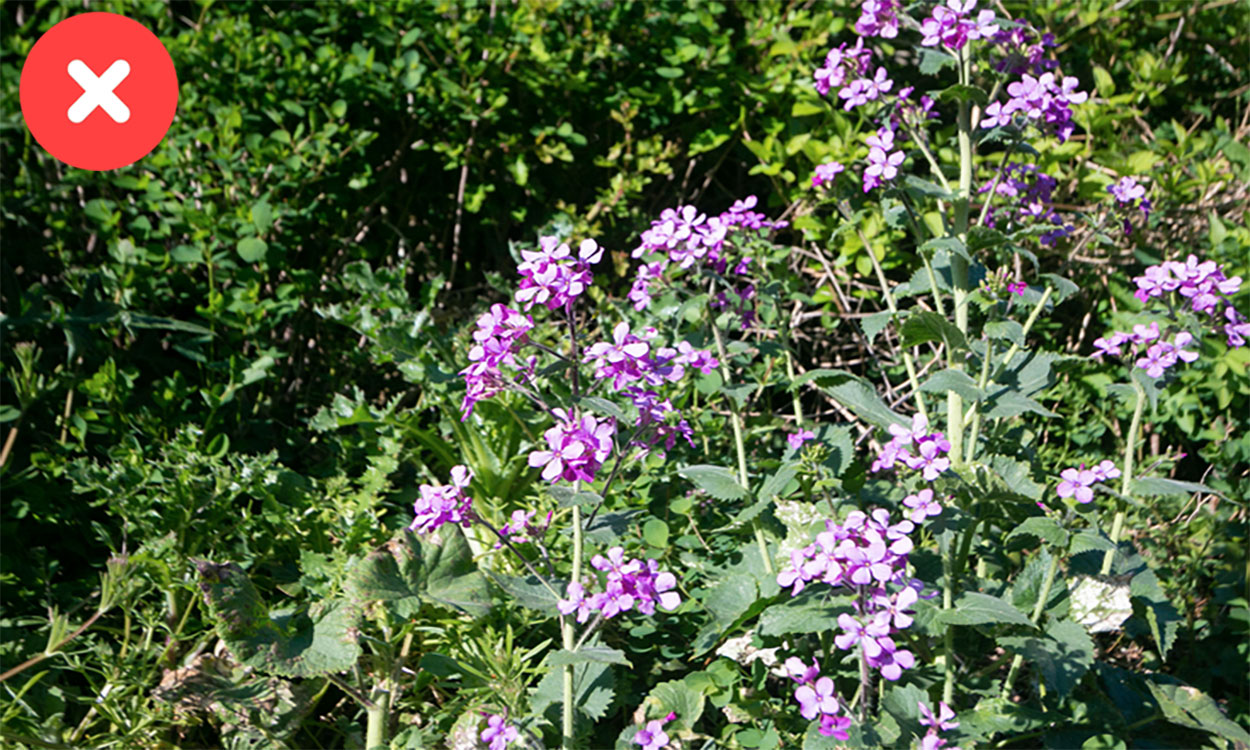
{"x": 228, "y": 369}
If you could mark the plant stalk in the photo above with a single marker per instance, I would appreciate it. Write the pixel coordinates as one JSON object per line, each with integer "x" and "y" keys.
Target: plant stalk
{"x": 378, "y": 714}
{"x": 1038, "y": 608}
{"x": 1126, "y": 482}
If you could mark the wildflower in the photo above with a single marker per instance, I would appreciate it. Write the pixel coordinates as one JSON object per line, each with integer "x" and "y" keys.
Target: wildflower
{"x": 797, "y": 439}
{"x": 878, "y": 18}
{"x": 942, "y": 722}
{"x": 922, "y": 505}
{"x": 825, "y": 173}
{"x": 816, "y": 698}
{"x": 551, "y": 275}
{"x": 575, "y": 448}
{"x": 439, "y": 504}
{"x": 652, "y": 736}
{"x": 498, "y": 733}
{"x": 1078, "y": 483}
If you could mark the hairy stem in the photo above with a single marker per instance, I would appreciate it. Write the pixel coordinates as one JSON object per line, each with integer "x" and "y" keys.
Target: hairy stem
{"x": 735, "y": 419}
{"x": 378, "y": 714}
{"x": 1038, "y": 608}
{"x": 1126, "y": 482}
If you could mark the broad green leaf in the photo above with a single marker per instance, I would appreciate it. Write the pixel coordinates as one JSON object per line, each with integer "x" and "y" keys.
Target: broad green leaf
{"x": 600, "y": 654}
{"x": 608, "y": 526}
{"x": 975, "y": 608}
{"x": 932, "y": 61}
{"x": 980, "y": 238}
{"x": 305, "y": 643}
{"x": 593, "y": 688}
{"x": 903, "y": 703}
{"x": 1009, "y": 403}
{"x": 922, "y": 327}
{"x": 731, "y": 597}
{"x": 1190, "y": 707}
{"x": 1005, "y": 329}
{"x": 953, "y": 380}
{"x": 1044, "y": 529}
{"x": 960, "y": 92}
{"x": 875, "y": 324}
{"x": 566, "y": 497}
{"x": 252, "y": 249}
{"x": 807, "y": 613}
{"x": 1028, "y": 587}
{"x": 855, "y": 394}
{"x": 1062, "y": 656}
{"x": 677, "y": 697}
{"x": 1155, "y": 486}
{"x": 530, "y": 591}
{"x": 409, "y": 570}
{"x": 262, "y": 216}
{"x": 655, "y": 532}
{"x": 604, "y": 406}
{"x": 952, "y": 245}
{"x": 922, "y": 187}
{"x": 716, "y": 481}
{"x": 776, "y": 484}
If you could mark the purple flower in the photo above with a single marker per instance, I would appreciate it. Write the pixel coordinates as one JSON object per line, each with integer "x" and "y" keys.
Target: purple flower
{"x": 1105, "y": 470}
{"x": 551, "y": 275}
{"x": 1042, "y": 99}
{"x": 628, "y": 584}
{"x": 950, "y": 25}
{"x": 877, "y": 18}
{"x": 930, "y": 456}
{"x": 500, "y": 333}
{"x": 652, "y": 736}
{"x": 923, "y": 505}
{"x": 439, "y": 504}
{"x": 882, "y": 165}
{"x": 890, "y": 660}
{"x": 498, "y": 733}
{"x": 825, "y": 173}
{"x": 575, "y": 448}
{"x": 800, "y": 672}
{"x": 1078, "y": 483}
{"x": 817, "y": 698}
{"x": 1237, "y": 328}
{"x": 797, "y": 439}
{"x": 1017, "y": 287}
{"x": 835, "y": 726}
{"x": 1127, "y": 190}
{"x": 942, "y": 722}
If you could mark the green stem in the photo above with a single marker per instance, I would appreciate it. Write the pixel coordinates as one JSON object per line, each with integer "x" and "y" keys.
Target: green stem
{"x": 1126, "y": 482}
{"x": 975, "y": 431}
{"x": 912, "y": 378}
{"x": 959, "y": 267}
{"x": 948, "y": 641}
{"x": 566, "y": 726}
{"x": 378, "y": 714}
{"x": 1038, "y": 608}
{"x": 740, "y": 445}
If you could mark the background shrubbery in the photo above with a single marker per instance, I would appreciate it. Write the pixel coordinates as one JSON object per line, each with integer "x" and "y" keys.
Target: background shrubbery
{"x": 242, "y": 348}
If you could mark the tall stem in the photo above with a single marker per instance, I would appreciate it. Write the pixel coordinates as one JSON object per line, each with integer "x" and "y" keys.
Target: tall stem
{"x": 1126, "y": 482}
{"x": 1038, "y": 608}
{"x": 378, "y": 713}
{"x": 740, "y": 446}
{"x": 959, "y": 265}
{"x": 567, "y": 635}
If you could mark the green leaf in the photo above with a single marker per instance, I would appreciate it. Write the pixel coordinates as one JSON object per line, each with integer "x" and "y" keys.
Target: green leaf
{"x": 925, "y": 326}
{"x": 600, "y": 654}
{"x": 565, "y": 497}
{"x": 729, "y": 598}
{"x": 923, "y": 188}
{"x": 974, "y": 608}
{"x": 409, "y": 570}
{"x": 1063, "y": 656}
{"x": 655, "y": 533}
{"x": 1155, "y": 486}
{"x": 953, "y": 380}
{"x": 1015, "y": 478}
{"x": 675, "y": 696}
{"x": 952, "y": 245}
{"x": 530, "y": 592}
{"x": 252, "y": 249}
{"x": 1028, "y": 587}
{"x": 608, "y": 526}
{"x": 1005, "y": 329}
{"x": 776, "y": 484}
{"x": 932, "y": 61}
{"x": 262, "y": 216}
{"x": 1009, "y": 403}
{"x": 855, "y": 394}
{"x": 806, "y": 613}
{"x": 593, "y": 688}
{"x": 716, "y": 481}
{"x": 306, "y": 643}
{"x": 604, "y": 406}
{"x": 903, "y": 703}
{"x": 1063, "y": 288}
{"x": 9, "y": 413}
{"x": 1044, "y": 529}
{"x": 875, "y": 324}
{"x": 666, "y": 72}
{"x": 960, "y": 92}
{"x": 981, "y": 238}
{"x": 1190, "y": 707}
{"x": 1165, "y": 623}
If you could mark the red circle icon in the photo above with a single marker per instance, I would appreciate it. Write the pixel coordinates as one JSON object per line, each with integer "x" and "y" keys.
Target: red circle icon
{"x": 99, "y": 91}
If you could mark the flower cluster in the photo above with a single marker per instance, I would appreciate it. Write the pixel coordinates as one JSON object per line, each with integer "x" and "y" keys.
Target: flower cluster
{"x": 1032, "y": 191}
{"x": 1015, "y": 52}
{"x": 1043, "y": 99}
{"x": 576, "y": 448}
{"x": 685, "y": 237}
{"x": 628, "y": 358}
{"x": 498, "y": 732}
{"x": 1160, "y": 354}
{"x": 658, "y": 421}
{"x": 1078, "y": 482}
{"x": 520, "y": 527}
{"x": 1000, "y": 280}
{"x": 841, "y": 62}
{"x": 825, "y": 173}
{"x": 817, "y": 698}
{"x": 551, "y": 276}
{"x": 907, "y": 112}
{"x": 878, "y": 18}
{"x": 942, "y": 722}
{"x": 865, "y": 89}
{"x": 500, "y": 333}
{"x": 930, "y": 449}
{"x": 628, "y": 584}
{"x": 653, "y": 736}
{"x": 1129, "y": 195}
{"x": 1203, "y": 283}
{"x": 883, "y": 161}
{"x": 953, "y": 26}
{"x": 869, "y": 553}
{"x": 437, "y": 505}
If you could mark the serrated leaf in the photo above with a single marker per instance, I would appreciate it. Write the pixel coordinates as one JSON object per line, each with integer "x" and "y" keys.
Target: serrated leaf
{"x": 875, "y": 324}
{"x": 855, "y": 394}
{"x": 1090, "y": 539}
{"x": 1165, "y": 623}
{"x": 1190, "y": 707}
{"x": 1005, "y": 329}
{"x": 1062, "y": 656}
{"x": 962, "y": 92}
{"x": 975, "y": 608}
{"x": 776, "y": 484}
{"x": 530, "y": 591}
{"x": 593, "y": 688}
{"x": 932, "y": 61}
{"x": 922, "y": 187}
{"x": 1010, "y": 403}
{"x": 600, "y": 654}
{"x": 409, "y": 570}
{"x": 566, "y": 497}
{"x": 318, "y": 641}
{"x": 981, "y": 238}
{"x": 903, "y": 703}
{"x": 952, "y": 245}
{"x": 675, "y": 696}
{"x": 729, "y": 598}
{"x": 609, "y": 526}
{"x": 1063, "y": 288}
{"x": 925, "y": 326}
{"x": 716, "y": 481}
{"x": 812, "y": 612}
{"x": 1015, "y": 477}
{"x": 1044, "y": 529}
{"x": 953, "y": 380}
{"x": 1028, "y": 586}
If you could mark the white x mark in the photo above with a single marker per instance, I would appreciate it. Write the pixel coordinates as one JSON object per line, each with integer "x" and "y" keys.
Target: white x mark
{"x": 98, "y": 92}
